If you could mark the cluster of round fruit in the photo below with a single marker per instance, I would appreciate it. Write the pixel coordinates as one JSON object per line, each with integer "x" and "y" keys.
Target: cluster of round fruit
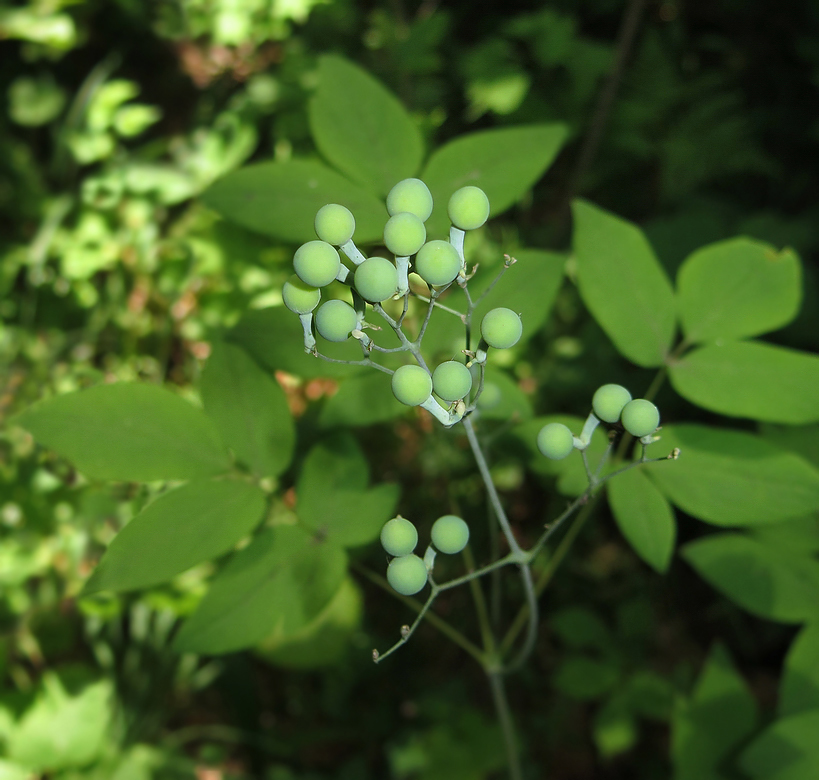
{"x": 611, "y": 403}
{"x": 407, "y": 572}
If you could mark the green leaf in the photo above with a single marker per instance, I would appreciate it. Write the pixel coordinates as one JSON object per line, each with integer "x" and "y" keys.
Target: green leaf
{"x": 362, "y": 400}
{"x": 767, "y": 581}
{"x": 272, "y": 588}
{"x": 644, "y": 517}
{"x": 583, "y": 678}
{"x": 786, "y": 750}
{"x": 623, "y": 284}
{"x": 650, "y": 695}
{"x": 750, "y": 379}
{"x": 128, "y": 431}
{"x": 737, "y": 288}
{"x": 799, "y": 686}
{"x": 183, "y": 527}
{"x": 502, "y": 398}
{"x": 713, "y": 722}
{"x": 362, "y": 128}
{"x": 505, "y": 163}
{"x": 280, "y": 199}
{"x": 733, "y": 478}
{"x": 581, "y": 629}
{"x": 249, "y": 409}
{"x": 803, "y": 440}
{"x": 615, "y": 728}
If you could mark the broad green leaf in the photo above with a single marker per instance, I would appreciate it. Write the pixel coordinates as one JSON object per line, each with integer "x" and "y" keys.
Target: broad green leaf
{"x": 623, "y": 284}
{"x": 362, "y": 128}
{"x": 787, "y": 750}
{"x": 803, "y": 440}
{"x": 280, "y": 199}
{"x": 737, "y": 288}
{"x": 733, "y": 478}
{"x": 365, "y": 399}
{"x": 713, "y": 722}
{"x": 249, "y": 409}
{"x": 799, "y": 685}
{"x": 183, "y": 527}
{"x": 750, "y": 379}
{"x": 582, "y": 678}
{"x": 272, "y": 588}
{"x": 505, "y": 163}
{"x": 769, "y": 582}
{"x": 644, "y": 517}
{"x": 128, "y": 431}
{"x": 502, "y": 398}
{"x": 801, "y": 534}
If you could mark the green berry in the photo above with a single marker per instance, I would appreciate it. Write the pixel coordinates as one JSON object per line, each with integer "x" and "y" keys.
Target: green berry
{"x": 608, "y": 402}
{"x": 335, "y": 320}
{"x": 411, "y": 385}
{"x": 376, "y": 279}
{"x": 468, "y": 208}
{"x": 437, "y": 263}
{"x": 410, "y": 195}
{"x": 299, "y": 297}
{"x": 555, "y": 441}
{"x": 335, "y": 224}
{"x": 407, "y": 574}
{"x": 317, "y": 263}
{"x": 451, "y": 380}
{"x": 450, "y": 534}
{"x": 640, "y": 417}
{"x": 404, "y": 234}
{"x": 399, "y": 536}
{"x": 501, "y": 328}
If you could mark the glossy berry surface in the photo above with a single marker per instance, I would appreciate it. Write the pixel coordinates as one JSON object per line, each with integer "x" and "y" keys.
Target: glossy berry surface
{"x": 450, "y": 534}
{"x": 299, "y": 297}
{"x": 376, "y": 279}
{"x": 640, "y": 417}
{"x": 399, "y": 536}
{"x": 335, "y": 224}
{"x": 501, "y": 328}
{"x": 555, "y": 441}
{"x": 404, "y": 234}
{"x": 451, "y": 380}
{"x": 468, "y": 208}
{"x": 335, "y": 320}
{"x": 317, "y": 263}
{"x": 407, "y": 574}
{"x": 411, "y": 385}
{"x": 410, "y": 195}
{"x": 437, "y": 263}
{"x": 608, "y": 402}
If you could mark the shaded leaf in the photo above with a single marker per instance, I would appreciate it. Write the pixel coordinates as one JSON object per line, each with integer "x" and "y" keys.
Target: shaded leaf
{"x": 786, "y": 750}
{"x": 362, "y": 400}
{"x": 582, "y": 678}
{"x": 799, "y": 686}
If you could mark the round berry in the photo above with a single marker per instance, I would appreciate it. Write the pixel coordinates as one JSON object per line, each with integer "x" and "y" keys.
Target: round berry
{"x": 316, "y": 263}
{"x": 450, "y": 534}
{"x": 376, "y": 279}
{"x": 410, "y": 195}
{"x": 335, "y": 224}
{"x": 399, "y": 536}
{"x": 437, "y": 263}
{"x": 404, "y": 234}
{"x": 299, "y": 297}
{"x": 608, "y": 402}
{"x": 411, "y": 385}
{"x": 640, "y": 417}
{"x": 555, "y": 441}
{"x": 501, "y": 328}
{"x": 468, "y": 208}
{"x": 451, "y": 380}
{"x": 407, "y": 574}
{"x": 335, "y": 320}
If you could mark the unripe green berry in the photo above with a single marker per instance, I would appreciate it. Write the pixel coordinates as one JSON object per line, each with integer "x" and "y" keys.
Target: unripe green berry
{"x": 411, "y": 385}
{"x": 335, "y": 320}
{"x": 451, "y": 380}
{"x": 376, "y": 279}
{"x": 410, "y": 195}
{"x": 450, "y": 534}
{"x": 468, "y": 208}
{"x": 317, "y": 263}
{"x": 501, "y": 328}
{"x": 399, "y": 536}
{"x": 407, "y": 574}
{"x": 640, "y": 417}
{"x": 404, "y": 234}
{"x": 608, "y": 402}
{"x": 299, "y": 297}
{"x": 437, "y": 262}
{"x": 555, "y": 441}
{"x": 335, "y": 224}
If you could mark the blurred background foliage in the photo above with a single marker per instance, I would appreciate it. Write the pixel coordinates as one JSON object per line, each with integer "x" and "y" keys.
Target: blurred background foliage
{"x": 115, "y": 115}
